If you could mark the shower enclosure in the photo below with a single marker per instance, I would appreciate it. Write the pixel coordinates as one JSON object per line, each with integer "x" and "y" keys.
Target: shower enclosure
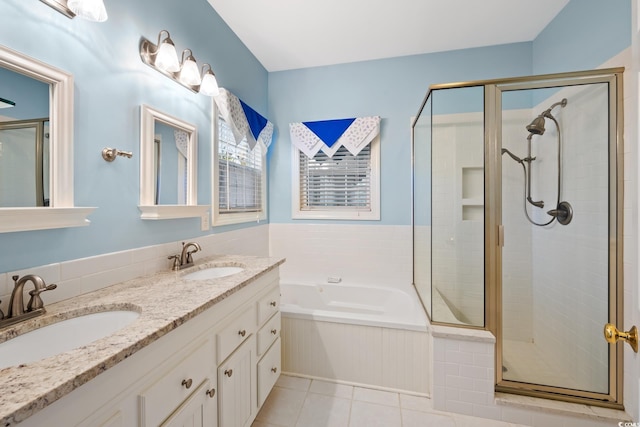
{"x": 517, "y": 219}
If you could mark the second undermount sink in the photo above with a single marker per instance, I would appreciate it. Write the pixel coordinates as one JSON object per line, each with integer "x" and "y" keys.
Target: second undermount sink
{"x": 213, "y": 273}
{"x": 63, "y": 336}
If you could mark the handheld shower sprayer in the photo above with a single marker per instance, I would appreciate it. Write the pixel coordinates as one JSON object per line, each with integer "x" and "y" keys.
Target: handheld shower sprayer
{"x": 536, "y": 127}
{"x": 563, "y": 212}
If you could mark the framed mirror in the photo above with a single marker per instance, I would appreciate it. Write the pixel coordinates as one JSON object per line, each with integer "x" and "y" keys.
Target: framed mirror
{"x": 36, "y": 146}
{"x": 168, "y": 156}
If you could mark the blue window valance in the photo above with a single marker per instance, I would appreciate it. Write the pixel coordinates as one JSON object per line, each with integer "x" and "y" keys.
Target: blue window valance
{"x": 329, "y": 135}
{"x": 243, "y": 120}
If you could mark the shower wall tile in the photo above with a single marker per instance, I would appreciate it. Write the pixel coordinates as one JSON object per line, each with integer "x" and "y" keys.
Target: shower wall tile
{"x": 358, "y": 254}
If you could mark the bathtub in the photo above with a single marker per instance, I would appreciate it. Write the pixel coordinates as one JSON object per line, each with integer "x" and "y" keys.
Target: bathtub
{"x": 368, "y": 336}
{"x": 353, "y": 304}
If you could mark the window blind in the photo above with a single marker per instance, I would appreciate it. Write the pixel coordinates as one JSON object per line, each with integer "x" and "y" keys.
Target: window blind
{"x": 340, "y": 182}
{"x": 240, "y": 173}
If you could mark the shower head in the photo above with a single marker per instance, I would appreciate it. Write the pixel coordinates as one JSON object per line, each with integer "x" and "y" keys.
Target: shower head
{"x": 536, "y": 127}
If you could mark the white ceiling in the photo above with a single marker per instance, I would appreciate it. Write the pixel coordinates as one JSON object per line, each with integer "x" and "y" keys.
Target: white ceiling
{"x": 291, "y": 34}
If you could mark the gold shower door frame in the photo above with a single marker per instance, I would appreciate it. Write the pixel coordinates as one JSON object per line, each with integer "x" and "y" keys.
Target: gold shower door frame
{"x": 494, "y": 238}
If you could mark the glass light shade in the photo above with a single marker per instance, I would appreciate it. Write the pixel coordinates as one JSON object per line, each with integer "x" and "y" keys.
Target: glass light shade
{"x": 91, "y": 10}
{"x": 167, "y": 58}
{"x": 189, "y": 73}
{"x": 209, "y": 85}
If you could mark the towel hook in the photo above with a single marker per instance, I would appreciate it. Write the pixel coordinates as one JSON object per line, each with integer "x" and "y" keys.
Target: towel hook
{"x": 110, "y": 154}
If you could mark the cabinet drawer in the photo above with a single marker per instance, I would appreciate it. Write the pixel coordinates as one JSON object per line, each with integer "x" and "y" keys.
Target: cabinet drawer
{"x": 268, "y": 305}
{"x": 199, "y": 410}
{"x": 235, "y": 333}
{"x": 268, "y": 371}
{"x": 268, "y": 334}
{"x": 165, "y": 395}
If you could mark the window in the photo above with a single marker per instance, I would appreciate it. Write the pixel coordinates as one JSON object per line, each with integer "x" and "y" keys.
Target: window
{"x": 240, "y": 182}
{"x": 343, "y": 186}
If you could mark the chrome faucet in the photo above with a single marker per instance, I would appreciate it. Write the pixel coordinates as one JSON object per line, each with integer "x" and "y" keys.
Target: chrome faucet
{"x": 185, "y": 259}
{"x": 35, "y": 307}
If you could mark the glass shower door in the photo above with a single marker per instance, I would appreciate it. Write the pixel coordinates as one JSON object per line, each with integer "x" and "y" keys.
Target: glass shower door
{"x": 558, "y": 226}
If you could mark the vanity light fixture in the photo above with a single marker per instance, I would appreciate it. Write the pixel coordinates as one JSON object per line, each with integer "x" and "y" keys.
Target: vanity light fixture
{"x": 91, "y": 10}
{"x": 5, "y": 103}
{"x": 209, "y": 85}
{"x": 162, "y": 57}
{"x": 189, "y": 73}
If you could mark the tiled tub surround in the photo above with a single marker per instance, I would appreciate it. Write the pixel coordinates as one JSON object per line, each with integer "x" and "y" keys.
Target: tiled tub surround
{"x": 165, "y": 302}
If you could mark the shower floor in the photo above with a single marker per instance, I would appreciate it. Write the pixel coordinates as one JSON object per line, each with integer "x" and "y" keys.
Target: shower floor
{"x": 525, "y": 362}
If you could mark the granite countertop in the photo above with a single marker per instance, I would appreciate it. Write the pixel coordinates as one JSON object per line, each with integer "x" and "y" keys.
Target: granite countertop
{"x": 164, "y": 301}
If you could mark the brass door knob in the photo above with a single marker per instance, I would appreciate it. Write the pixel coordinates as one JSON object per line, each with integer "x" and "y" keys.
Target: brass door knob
{"x": 211, "y": 392}
{"x": 612, "y": 335}
{"x": 187, "y": 383}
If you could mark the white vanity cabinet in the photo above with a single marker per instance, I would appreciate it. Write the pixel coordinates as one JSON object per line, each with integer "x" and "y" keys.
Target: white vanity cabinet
{"x": 242, "y": 385}
{"x": 214, "y": 370}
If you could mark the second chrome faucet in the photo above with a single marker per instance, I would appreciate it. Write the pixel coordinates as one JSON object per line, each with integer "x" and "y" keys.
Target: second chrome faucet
{"x": 185, "y": 258}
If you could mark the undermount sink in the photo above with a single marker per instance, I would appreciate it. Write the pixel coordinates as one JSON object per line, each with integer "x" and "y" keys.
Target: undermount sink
{"x": 63, "y": 336}
{"x": 213, "y": 273}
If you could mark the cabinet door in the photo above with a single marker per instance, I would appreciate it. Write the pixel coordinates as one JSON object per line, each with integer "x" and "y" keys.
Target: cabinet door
{"x": 199, "y": 410}
{"x": 236, "y": 380}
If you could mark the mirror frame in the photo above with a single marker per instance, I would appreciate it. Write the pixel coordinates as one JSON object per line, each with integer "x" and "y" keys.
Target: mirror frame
{"x": 148, "y": 117}
{"x": 62, "y": 212}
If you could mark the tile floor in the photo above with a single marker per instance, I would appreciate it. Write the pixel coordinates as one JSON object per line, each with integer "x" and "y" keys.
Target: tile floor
{"x": 300, "y": 402}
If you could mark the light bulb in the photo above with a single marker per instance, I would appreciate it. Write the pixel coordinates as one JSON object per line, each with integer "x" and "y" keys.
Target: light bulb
{"x": 91, "y": 10}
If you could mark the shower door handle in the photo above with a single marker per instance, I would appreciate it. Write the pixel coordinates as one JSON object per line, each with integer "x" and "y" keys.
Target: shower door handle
{"x": 613, "y": 335}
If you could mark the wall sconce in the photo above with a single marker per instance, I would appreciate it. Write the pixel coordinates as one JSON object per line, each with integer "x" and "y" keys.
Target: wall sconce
{"x": 91, "y": 10}
{"x": 163, "y": 58}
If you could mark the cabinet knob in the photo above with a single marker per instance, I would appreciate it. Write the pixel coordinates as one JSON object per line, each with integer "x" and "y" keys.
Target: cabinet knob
{"x": 211, "y": 392}
{"x": 274, "y": 369}
{"x": 242, "y": 333}
{"x": 272, "y": 303}
{"x": 274, "y": 331}
{"x": 187, "y": 383}
{"x": 228, "y": 372}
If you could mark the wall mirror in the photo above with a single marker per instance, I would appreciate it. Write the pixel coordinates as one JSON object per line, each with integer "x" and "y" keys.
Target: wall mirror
{"x": 36, "y": 146}
{"x": 168, "y": 156}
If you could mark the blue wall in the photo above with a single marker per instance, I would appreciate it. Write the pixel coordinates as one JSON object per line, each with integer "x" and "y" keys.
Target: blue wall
{"x": 111, "y": 83}
{"x": 394, "y": 89}
{"x": 391, "y": 88}
{"x": 584, "y": 35}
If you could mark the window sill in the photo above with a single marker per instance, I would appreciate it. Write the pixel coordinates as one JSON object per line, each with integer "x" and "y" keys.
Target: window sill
{"x": 237, "y": 218}
{"x": 329, "y": 215}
